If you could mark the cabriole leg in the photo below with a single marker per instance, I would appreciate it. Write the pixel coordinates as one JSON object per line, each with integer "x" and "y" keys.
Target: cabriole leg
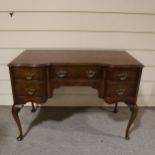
{"x": 134, "y": 113}
{"x": 15, "y": 111}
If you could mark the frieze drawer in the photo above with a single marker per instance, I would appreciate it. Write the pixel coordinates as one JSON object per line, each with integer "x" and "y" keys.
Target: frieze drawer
{"x": 76, "y": 72}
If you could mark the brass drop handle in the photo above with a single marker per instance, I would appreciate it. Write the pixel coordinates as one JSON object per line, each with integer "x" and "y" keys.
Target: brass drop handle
{"x": 28, "y": 76}
{"x": 120, "y": 91}
{"x": 61, "y": 73}
{"x": 90, "y": 73}
{"x": 123, "y": 76}
{"x": 30, "y": 91}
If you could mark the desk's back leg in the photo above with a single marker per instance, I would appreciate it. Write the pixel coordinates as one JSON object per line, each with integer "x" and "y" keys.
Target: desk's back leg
{"x": 33, "y": 107}
{"x": 115, "y": 109}
{"x": 134, "y": 113}
{"x": 15, "y": 111}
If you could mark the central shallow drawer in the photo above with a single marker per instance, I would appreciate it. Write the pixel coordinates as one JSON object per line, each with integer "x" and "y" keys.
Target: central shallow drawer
{"x": 75, "y": 72}
{"x": 30, "y": 88}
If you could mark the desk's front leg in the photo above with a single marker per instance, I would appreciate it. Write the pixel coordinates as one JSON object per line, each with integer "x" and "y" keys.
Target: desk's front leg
{"x": 15, "y": 111}
{"x": 133, "y": 116}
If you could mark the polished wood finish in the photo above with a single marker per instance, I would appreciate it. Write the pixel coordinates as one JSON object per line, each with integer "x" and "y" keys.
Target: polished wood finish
{"x": 36, "y": 73}
{"x": 35, "y": 58}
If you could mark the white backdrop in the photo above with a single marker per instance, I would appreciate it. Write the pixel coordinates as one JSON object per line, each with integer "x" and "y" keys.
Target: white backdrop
{"x": 82, "y": 24}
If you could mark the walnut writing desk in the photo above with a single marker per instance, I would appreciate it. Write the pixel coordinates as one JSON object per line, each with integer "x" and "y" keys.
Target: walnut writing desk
{"x": 35, "y": 73}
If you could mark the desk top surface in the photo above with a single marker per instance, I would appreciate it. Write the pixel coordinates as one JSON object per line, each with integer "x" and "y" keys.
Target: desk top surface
{"x": 48, "y": 57}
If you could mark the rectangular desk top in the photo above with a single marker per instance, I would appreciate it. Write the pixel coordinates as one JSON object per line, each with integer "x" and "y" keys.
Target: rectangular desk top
{"x": 48, "y": 57}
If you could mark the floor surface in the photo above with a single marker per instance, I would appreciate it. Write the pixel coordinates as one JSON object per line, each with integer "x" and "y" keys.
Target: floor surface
{"x": 77, "y": 131}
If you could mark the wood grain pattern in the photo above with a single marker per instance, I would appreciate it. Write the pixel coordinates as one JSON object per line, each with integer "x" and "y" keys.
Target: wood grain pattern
{"x": 47, "y": 57}
{"x": 73, "y": 65}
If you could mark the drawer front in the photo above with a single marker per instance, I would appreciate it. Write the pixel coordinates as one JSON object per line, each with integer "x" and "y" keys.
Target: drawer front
{"x": 29, "y": 88}
{"x": 29, "y": 73}
{"x": 121, "y": 90}
{"x": 123, "y": 74}
{"x": 76, "y": 72}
